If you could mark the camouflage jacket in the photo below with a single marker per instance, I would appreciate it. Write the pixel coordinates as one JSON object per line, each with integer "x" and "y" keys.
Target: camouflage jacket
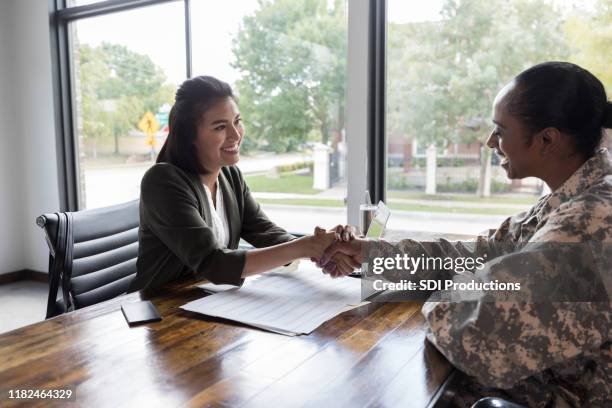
{"x": 549, "y": 353}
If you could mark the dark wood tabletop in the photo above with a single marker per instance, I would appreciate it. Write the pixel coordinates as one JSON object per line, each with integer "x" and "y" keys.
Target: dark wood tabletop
{"x": 374, "y": 355}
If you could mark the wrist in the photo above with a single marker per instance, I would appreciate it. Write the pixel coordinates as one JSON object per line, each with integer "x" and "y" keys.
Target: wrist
{"x": 302, "y": 246}
{"x": 364, "y": 246}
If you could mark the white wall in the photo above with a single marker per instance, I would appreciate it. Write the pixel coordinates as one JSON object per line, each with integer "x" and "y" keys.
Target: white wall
{"x": 11, "y": 191}
{"x": 28, "y": 176}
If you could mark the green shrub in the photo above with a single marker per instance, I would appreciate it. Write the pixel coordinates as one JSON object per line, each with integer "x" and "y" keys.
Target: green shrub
{"x": 444, "y": 162}
{"x": 470, "y": 185}
{"x": 500, "y": 187}
{"x": 466, "y": 186}
{"x": 286, "y": 168}
{"x": 397, "y": 182}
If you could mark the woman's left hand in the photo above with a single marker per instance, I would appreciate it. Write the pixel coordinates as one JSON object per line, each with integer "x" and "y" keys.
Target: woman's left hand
{"x": 317, "y": 243}
{"x": 344, "y": 233}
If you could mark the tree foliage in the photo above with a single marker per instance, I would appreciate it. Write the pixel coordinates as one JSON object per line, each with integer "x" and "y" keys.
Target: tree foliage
{"x": 117, "y": 86}
{"x": 444, "y": 75}
{"x": 292, "y": 59}
{"x": 590, "y": 40}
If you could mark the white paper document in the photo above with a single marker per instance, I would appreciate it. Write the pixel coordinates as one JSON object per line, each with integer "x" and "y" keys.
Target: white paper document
{"x": 212, "y": 288}
{"x": 285, "y": 302}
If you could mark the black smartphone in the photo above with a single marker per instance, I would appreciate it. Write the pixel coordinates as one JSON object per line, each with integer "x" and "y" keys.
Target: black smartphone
{"x": 140, "y": 312}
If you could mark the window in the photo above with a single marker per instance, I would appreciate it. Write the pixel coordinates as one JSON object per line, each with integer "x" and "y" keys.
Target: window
{"x": 446, "y": 61}
{"x": 126, "y": 68}
{"x": 286, "y": 60}
{"x": 74, "y": 3}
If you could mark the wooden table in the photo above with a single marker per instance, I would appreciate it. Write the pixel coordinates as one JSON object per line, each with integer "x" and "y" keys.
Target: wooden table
{"x": 375, "y": 355}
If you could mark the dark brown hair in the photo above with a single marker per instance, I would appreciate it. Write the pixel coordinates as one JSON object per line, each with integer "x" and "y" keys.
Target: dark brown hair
{"x": 193, "y": 98}
{"x": 567, "y": 97}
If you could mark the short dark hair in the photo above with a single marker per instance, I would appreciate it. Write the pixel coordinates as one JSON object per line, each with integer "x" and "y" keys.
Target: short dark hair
{"x": 565, "y": 96}
{"x": 192, "y": 99}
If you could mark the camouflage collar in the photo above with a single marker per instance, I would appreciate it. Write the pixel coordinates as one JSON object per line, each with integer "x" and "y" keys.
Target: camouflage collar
{"x": 592, "y": 171}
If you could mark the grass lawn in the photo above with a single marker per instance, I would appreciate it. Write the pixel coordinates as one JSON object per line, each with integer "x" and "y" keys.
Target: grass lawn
{"x": 393, "y": 206}
{"x": 302, "y": 184}
{"x": 415, "y": 195}
{"x": 302, "y": 201}
{"x": 457, "y": 210}
{"x": 286, "y": 183}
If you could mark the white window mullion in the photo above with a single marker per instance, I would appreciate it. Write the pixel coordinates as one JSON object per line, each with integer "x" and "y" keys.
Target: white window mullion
{"x": 357, "y": 106}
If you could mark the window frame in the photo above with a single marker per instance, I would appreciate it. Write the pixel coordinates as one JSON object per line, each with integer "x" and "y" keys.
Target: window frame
{"x": 377, "y": 136}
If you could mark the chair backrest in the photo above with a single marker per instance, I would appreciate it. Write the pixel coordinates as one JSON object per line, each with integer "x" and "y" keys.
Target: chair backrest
{"x": 92, "y": 253}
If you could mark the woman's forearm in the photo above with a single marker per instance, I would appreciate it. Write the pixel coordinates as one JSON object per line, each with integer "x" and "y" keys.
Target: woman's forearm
{"x": 311, "y": 246}
{"x": 263, "y": 259}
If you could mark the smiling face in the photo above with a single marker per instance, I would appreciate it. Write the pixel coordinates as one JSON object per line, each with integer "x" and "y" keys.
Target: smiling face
{"x": 219, "y": 136}
{"x": 511, "y": 139}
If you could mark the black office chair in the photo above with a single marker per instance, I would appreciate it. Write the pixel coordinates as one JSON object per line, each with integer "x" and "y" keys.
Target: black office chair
{"x": 491, "y": 402}
{"x": 455, "y": 381}
{"x": 92, "y": 255}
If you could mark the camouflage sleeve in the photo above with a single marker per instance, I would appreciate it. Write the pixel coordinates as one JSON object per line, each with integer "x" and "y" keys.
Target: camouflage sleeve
{"x": 489, "y": 244}
{"x": 416, "y": 249}
{"x": 582, "y": 220}
{"x": 483, "y": 246}
{"x": 502, "y": 342}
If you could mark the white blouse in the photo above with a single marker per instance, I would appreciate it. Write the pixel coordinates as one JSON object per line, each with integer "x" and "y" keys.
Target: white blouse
{"x": 220, "y": 226}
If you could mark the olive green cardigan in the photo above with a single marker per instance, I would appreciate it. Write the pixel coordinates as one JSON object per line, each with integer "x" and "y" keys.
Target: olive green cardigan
{"x": 175, "y": 236}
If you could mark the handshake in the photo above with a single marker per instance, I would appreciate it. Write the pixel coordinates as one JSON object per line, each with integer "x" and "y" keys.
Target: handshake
{"x": 338, "y": 251}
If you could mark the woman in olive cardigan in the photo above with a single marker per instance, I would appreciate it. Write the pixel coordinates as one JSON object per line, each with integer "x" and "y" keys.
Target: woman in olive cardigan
{"x": 195, "y": 205}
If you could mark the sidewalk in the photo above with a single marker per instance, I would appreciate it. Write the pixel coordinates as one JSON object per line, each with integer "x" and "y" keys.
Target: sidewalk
{"x": 339, "y": 195}
{"x": 262, "y": 162}
{"x": 304, "y": 218}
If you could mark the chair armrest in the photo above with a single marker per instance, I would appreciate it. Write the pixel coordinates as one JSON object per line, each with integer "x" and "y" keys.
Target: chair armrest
{"x": 490, "y": 402}
{"x": 49, "y": 223}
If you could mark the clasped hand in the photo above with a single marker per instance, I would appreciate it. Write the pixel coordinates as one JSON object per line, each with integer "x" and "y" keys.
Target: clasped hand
{"x": 339, "y": 250}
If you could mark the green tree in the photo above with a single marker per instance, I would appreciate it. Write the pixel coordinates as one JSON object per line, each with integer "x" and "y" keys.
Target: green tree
{"x": 117, "y": 87}
{"x": 92, "y": 70}
{"x": 445, "y": 74}
{"x": 292, "y": 59}
{"x": 589, "y": 37}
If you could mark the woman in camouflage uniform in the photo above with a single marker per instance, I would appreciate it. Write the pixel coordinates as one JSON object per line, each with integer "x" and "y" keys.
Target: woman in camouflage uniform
{"x": 549, "y": 123}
